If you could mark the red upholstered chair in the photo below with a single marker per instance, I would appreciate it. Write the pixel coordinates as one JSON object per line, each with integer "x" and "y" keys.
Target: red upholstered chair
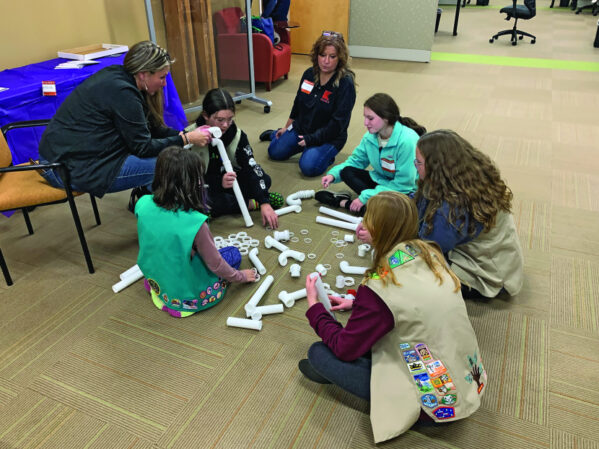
{"x": 270, "y": 62}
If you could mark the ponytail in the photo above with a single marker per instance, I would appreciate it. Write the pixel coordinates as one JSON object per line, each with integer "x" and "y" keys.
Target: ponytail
{"x": 411, "y": 123}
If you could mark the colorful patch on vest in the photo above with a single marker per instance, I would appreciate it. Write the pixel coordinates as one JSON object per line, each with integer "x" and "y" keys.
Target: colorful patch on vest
{"x": 429, "y": 400}
{"x": 449, "y": 399}
{"x": 403, "y": 346}
{"x": 399, "y": 258}
{"x": 477, "y": 371}
{"x": 435, "y": 368}
{"x": 423, "y": 383}
{"x": 411, "y": 250}
{"x": 424, "y": 352}
{"x": 416, "y": 367}
{"x": 410, "y": 356}
{"x": 444, "y": 412}
{"x": 154, "y": 286}
{"x": 190, "y": 304}
{"x": 176, "y": 302}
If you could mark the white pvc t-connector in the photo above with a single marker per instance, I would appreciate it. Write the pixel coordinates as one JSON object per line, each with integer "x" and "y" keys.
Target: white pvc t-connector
{"x": 295, "y": 199}
{"x": 289, "y": 298}
{"x": 341, "y": 215}
{"x": 269, "y": 242}
{"x": 246, "y": 324}
{"x": 282, "y": 235}
{"x": 337, "y": 223}
{"x": 299, "y": 256}
{"x": 295, "y": 270}
{"x": 285, "y": 210}
{"x": 345, "y": 267}
{"x": 253, "y": 255}
{"x": 124, "y": 283}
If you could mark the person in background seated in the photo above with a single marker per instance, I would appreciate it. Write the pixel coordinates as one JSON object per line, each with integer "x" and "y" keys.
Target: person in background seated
{"x": 218, "y": 110}
{"x": 110, "y": 129}
{"x": 465, "y": 207}
{"x": 408, "y": 346}
{"x": 389, "y": 147}
{"x": 317, "y": 125}
{"x": 184, "y": 271}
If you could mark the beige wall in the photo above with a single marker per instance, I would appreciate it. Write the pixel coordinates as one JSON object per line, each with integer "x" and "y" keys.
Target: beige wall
{"x": 34, "y": 30}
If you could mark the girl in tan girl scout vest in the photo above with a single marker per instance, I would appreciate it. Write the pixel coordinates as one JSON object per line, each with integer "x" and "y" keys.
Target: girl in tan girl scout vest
{"x": 408, "y": 346}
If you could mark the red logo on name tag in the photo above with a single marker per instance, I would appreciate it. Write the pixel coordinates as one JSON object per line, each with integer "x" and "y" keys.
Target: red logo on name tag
{"x": 48, "y": 88}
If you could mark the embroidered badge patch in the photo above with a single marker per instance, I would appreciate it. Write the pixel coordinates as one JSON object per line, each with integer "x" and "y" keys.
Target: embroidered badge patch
{"x": 435, "y": 368}
{"x": 416, "y": 367}
{"x": 424, "y": 352}
{"x": 404, "y": 345}
{"x": 429, "y": 400}
{"x": 444, "y": 412}
{"x": 399, "y": 258}
{"x": 423, "y": 383}
{"x": 154, "y": 286}
{"x": 476, "y": 372}
{"x": 410, "y": 356}
{"x": 449, "y": 399}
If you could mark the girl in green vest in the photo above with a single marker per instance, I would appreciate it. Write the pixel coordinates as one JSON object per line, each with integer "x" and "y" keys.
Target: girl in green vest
{"x": 184, "y": 271}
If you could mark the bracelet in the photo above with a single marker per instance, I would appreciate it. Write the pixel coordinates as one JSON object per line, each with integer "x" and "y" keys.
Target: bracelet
{"x": 185, "y": 139}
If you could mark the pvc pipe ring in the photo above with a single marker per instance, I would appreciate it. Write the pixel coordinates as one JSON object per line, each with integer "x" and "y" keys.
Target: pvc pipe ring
{"x": 339, "y": 256}
{"x": 304, "y": 232}
{"x": 349, "y": 282}
{"x": 254, "y": 243}
{"x": 294, "y": 239}
{"x": 311, "y": 256}
{"x": 334, "y": 232}
{"x": 327, "y": 266}
{"x": 307, "y": 240}
{"x": 243, "y": 251}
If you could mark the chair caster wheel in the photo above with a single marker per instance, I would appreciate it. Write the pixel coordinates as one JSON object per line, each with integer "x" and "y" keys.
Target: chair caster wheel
{"x": 532, "y": 41}
{"x": 520, "y": 37}
{"x": 266, "y": 109}
{"x": 490, "y": 41}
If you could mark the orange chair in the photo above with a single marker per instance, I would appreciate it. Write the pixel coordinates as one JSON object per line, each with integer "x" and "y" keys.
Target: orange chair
{"x": 270, "y": 62}
{"x": 22, "y": 187}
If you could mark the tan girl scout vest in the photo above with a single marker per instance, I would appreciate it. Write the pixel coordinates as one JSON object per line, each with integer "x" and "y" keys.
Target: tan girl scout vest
{"x": 430, "y": 360}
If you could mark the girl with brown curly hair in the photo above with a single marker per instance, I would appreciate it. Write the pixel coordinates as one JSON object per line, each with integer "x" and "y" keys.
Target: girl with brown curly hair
{"x": 465, "y": 207}
{"x": 317, "y": 125}
{"x": 408, "y": 343}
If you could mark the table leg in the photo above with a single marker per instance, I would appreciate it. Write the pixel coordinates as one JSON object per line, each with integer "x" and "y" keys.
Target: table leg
{"x": 457, "y": 16}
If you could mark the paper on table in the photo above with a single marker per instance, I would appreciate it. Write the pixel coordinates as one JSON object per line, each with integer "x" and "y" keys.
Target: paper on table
{"x": 3, "y": 88}
{"x": 74, "y": 64}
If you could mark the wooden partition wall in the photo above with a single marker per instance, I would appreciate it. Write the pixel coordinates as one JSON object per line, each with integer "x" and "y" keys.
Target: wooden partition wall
{"x": 190, "y": 40}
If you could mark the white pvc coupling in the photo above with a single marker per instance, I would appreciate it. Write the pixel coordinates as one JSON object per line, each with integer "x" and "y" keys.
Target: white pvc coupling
{"x": 363, "y": 249}
{"x": 285, "y": 210}
{"x": 295, "y": 199}
{"x": 295, "y": 270}
{"x": 345, "y": 267}
{"x": 253, "y": 255}
{"x": 321, "y": 269}
{"x": 340, "y": 281}
{"x": 297, "y": 255}
{"x": 282, "y": 235}
{"x": 349, "y": 238}
{"x": 289, "y": 298}
{"x": 269, "y": 242}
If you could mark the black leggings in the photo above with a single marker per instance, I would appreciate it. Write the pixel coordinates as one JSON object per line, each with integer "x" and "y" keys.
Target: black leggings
{"x": 358, "y": 180}
{"x": 223, "y": 201}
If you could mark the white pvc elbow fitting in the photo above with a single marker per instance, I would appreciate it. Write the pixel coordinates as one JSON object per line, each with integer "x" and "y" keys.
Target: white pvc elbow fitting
{"x": 300, "y": 257}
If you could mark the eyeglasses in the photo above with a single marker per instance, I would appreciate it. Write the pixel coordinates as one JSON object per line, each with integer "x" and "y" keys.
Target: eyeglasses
{"x": 417, "y": 162}
{"x": 333, "y": 34}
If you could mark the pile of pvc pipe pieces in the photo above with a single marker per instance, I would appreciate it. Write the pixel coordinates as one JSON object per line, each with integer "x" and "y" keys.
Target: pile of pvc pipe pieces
{"x": 242, "y": 241}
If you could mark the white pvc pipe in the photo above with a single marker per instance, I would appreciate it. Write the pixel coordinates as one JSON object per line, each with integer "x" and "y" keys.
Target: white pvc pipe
{"x": 229, "y": 168}
{"x": 129, "y": 272}
{"x": 257, "y": 296}
{"x": 124, "y": 283}
{"x": 253, "y": 255}
{"x": 340, "y": 215}
{"x": 289, "y": 298}
{"x": 345, "y": 267}
{"x": 337, "y": 223}
{"x": 270, "y": 309}
{"x": 269, "y": 242}
{"x": 323, "y": 297}
{"x": 299, "y": 256}
{"x": 246, "y": 324}
{"x": 285, "y": 210}
{"x": 295, "y": 199}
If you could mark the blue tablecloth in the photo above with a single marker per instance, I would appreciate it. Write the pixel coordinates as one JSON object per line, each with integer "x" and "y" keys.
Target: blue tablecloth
{"x": 24, "y": 100}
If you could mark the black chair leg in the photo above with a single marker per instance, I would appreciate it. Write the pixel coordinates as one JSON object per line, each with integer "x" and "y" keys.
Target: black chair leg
{"x": 5, "y": 269}
{"x": 95, "y": 208}
{"x": 88, "y": 259}
{"x": 27, "y": 220}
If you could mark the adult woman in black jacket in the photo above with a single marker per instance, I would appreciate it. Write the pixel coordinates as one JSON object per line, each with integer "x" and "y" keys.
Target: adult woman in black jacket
{"x": 110, "y": 129}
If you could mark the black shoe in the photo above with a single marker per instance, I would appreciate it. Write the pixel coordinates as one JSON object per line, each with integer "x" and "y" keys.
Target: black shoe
{"x": 136, "y": 194}
{"x": 305, "y": 367}
{"x": 332, "y": 199}
{"x": 265, "y": 135}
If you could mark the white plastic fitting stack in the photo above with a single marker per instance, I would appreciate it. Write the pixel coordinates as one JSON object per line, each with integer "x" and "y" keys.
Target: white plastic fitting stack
{"x": 340, "y": 281}
{"x": 289, "y": 298}
{"x": 295, "y": 270}
{"x": 295, "y": 199}
{"x": 250, "y": 307}
{"x": 256, "y": 261}
{"x": 299, "y": 256}
{"x": 282, "y": 236}
{"x": 321, "y": 269}
{"x": 128, "y": 277}
{"x": 337, "y": 223}
{"x": 349, "y": 238}
{"x": 345, "y": 267}
{"x": 285, "y": 210}
{"x": 216, "y": 132}
{"x": 270, "y": 242}
{"x": 363, "y": 249}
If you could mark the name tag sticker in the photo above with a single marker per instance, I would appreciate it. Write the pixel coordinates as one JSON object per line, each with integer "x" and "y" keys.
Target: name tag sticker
{"x": 48, "y": 88}
{"x": 307, "y": 86}
{"x": 388, "y": 165}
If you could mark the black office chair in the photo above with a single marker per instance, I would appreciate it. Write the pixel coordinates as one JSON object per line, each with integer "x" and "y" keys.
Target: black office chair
{"x": 526, "y": 11}
{"x": 593, "y": 6}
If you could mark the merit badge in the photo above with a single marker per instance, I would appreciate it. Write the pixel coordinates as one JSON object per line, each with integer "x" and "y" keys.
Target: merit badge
{"x": 442, "y": 389}
{"x": 435, "y": 368}
{"x": 404, "y": 346}
{"x": 424, "y": 352}
{"x": 449, "y": 399}
{"x": 423, "y": 383}
{"x": 399, "y": 258}
{"x": 154, "y": 286}
{"x": 429, "y": 400}
{"x": 410, "y": 356}
{"x": 444, "y": 412}
{"x": 437, "y": 382}
{"x": 415, "y": 367}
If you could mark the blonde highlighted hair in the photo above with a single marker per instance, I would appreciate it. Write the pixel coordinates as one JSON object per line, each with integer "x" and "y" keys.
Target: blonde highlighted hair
{"x": 392, "y": 218}
{"x": 335, "y": 40}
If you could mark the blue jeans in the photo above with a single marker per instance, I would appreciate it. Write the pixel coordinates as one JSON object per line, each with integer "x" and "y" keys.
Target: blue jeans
{"x": 314, "y": 160}
{"x": 353, "y": 377}
{"x": 135, "y": 172}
